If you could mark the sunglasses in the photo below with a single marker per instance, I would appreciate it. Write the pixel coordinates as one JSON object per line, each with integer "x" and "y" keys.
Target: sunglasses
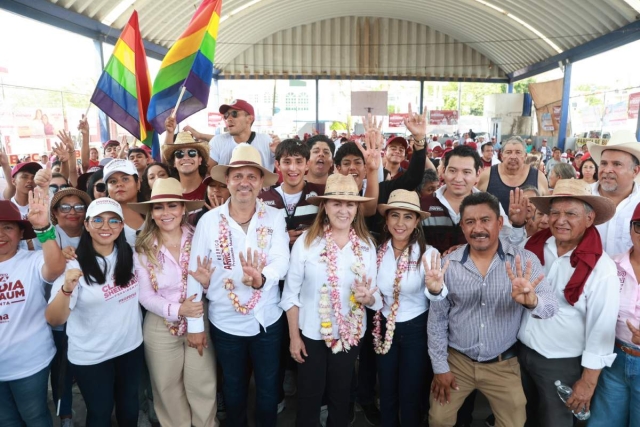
{"x": 636, "y": 226}
{"x": 53, "y": 188}
{"x": 179, "y": 154}
{"x": 66, "y": 208}
{"x": 100, "y": 187}
{"x": 232, "y": 113}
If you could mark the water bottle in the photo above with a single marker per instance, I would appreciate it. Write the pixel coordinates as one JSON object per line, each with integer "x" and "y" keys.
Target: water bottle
{"x": 564, "y": 391}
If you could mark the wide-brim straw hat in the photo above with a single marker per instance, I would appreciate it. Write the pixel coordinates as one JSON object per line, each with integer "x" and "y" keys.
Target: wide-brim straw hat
{"x": 166, "y": 190}
{"x": 339, "y": 187}
{"x": 244, "y": 155}
{"x": 184, "y": 141}
{"x": 623, "y": 140}
{"x": 61, "y": 194}
{"x": 405, "y": 200}
{"x": 603, "y": 207}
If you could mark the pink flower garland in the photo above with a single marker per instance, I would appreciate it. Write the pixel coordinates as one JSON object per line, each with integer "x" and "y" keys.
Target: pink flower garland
{"x": 382, "y": 347}
{"x": 349, "y": 329}
{"x": 225, "y": 239}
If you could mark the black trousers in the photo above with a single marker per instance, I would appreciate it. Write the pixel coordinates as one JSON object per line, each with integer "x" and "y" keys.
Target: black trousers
{"x": 321, "y": 371}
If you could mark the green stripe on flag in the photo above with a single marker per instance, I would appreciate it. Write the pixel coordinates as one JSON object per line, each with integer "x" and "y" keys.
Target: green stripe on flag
{"x": 122, "y": 75}
{"x": 174, "y": 73}
{"x": 208, "y": 46}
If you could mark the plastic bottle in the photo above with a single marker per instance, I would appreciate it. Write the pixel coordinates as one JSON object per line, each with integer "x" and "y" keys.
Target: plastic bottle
{"x": 564, "y": 391}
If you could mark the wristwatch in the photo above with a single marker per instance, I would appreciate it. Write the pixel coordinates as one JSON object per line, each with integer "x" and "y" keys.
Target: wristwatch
{"x": 419, "y": 142}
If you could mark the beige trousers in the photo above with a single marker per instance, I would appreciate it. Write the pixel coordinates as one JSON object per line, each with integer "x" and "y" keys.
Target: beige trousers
{"x": 183, "y": 382}
{"x": 499, "y": 382}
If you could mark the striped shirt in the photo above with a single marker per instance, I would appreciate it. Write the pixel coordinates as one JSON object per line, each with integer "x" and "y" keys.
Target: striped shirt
{"x": 479, "y": 318}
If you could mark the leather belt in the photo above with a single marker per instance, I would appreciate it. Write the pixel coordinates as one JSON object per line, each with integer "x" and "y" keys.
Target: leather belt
{"x": 509, "y": 353}
{"x": 628, "y": 350}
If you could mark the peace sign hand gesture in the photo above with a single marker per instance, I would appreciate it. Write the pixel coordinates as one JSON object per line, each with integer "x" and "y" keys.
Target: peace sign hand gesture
{"x": 38, "y": 208}
{"x": 363, "y": 292}
{"x": 522, "y": 288}
{"x": 252, "y": 266}
{"x": 434, "y": 273}
{"x": 203, "y": 272}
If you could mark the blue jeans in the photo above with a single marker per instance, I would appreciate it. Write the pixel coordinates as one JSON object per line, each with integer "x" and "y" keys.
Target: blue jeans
{"x": 236, "y": 354}
{"x": 616, "y": 401}
{"x": 61, "y": 376}
{"x": 403, "y": 373}
{"x": 24, "y": 401}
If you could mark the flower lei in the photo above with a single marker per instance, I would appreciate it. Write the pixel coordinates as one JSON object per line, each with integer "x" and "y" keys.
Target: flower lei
{"x": 180, "y": 327}
{"x": 380, "y": 346}
{"x": 225, "y": 239}
{"x": 350, "y": 328}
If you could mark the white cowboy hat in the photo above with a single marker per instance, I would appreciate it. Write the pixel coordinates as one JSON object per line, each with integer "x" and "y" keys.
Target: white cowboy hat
{"x": 405, "y": 200}
{"x": 623, "y": 140}
{"x": 244, "y": 155}
{"x": 340, "y": 187}
{"x": 166, "y": 190}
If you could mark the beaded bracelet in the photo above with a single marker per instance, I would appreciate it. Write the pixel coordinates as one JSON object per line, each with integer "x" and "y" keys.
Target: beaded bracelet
{"x": 67, "y": 293}
{"x": 49, "y": 234}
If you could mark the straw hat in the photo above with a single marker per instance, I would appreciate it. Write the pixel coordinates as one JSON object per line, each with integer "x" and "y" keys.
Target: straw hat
{"x": 623, "y": 140}
{"x": 10, "y": 213}
{"x": 244, "y": 155}
{"x": 405, "y": 200}
{"x": 61, "y": 194}
{"x": 166, "y": 190}
{"x": 577, "y": 189}
{"x": 184, "y": 141}
{"x": 340, "y": 187}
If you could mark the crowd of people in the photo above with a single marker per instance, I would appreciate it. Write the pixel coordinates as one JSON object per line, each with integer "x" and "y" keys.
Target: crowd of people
{"x": 400, "y": 277}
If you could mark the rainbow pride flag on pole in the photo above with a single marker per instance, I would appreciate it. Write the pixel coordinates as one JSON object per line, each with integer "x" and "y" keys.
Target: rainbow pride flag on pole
{"x": 124, "y": 89}
{"x": 188, "y": 63}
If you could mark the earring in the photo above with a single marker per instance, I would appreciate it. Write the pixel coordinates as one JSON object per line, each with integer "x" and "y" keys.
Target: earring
{"x": 325, "y": 220}
{"x": 385, "y": 229}
{"x": 415, "y": 233}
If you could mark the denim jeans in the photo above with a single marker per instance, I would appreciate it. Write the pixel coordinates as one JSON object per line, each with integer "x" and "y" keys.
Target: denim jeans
{"x": 61, "y": 376}
{"x": 235, "y": 354}
{"x": 24, "y": 401}
{"x": 616, "y": 401}
{"x": 403, "y": 373}
{"x": 114, "y": 381}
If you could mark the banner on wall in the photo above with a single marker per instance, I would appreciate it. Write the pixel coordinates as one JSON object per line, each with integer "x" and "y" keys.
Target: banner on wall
{"x": 617, "y": 113}
{"x": 634, "y": 104}
{"x": 443, "y": 117}
{"x": 214, "y": 119}
{"x": 396, "y": 120}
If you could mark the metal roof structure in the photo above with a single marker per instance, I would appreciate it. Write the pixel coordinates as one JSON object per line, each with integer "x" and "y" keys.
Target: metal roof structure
{"x": 463, "y": 40}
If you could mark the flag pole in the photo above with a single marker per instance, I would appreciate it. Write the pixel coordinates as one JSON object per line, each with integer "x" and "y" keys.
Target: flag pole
{"x": 175, "y": 110}
{"x": 87, "y": 110}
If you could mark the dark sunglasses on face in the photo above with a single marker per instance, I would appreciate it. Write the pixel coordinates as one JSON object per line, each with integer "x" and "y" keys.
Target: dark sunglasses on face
{"x": 636, "y": 226}
{"x": 100, "y": 187}
{"x": 232, "y": 113}
{"x": 66, "y": 208}
{"x": 180, "y": 153}
{"x": 55, "y": 188}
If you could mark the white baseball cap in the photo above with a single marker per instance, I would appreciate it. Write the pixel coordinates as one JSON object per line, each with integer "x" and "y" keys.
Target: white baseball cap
{"x": 102, "y": 205}
{"x": 119, "y": 165}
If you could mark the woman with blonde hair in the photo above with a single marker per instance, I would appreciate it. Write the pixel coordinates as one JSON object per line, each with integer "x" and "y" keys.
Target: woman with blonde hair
{"x": 183, "y": 381}
{"x": 331, "y": 278}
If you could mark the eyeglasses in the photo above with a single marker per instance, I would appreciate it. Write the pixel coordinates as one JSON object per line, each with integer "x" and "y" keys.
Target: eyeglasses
{"x": 98, "y": 222}
{"x": 232, "y": 113}
{"x": 179, "y": 154}
{"x": 100, "y": 187}
{"x": 53, "y": 188}
{"x": 66, "y": 208}
{"x": 636, "y": 226}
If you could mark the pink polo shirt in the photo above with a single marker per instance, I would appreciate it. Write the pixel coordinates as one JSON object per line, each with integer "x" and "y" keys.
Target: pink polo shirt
{"x": 629, "y": 297}
{"x": 166, "y": 301}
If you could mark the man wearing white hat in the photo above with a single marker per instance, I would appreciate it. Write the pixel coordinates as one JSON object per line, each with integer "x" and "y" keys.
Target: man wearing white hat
{"x": 618, "y": 166}
{"x": 577, "y": 343}
{"x": 246, "y": 322}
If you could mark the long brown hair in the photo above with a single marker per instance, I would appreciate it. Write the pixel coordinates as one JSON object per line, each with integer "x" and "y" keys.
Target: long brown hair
{"x": 317, "y": 228}
{"x": 145, "y": 242}
{"x": 416, "y": 236}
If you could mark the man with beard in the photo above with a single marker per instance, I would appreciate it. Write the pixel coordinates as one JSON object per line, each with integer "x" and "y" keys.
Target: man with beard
{"x": 618, "y": 167}
{"x": 512, "y": 173}
{"x": 321, "y": 159}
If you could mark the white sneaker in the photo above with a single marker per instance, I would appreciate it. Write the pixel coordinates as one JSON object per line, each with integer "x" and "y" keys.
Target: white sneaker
{"x": 281, "y": 406}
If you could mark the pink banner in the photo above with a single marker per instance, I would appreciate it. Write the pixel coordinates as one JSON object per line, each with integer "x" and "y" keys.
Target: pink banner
{"x": 443, "y": 117}
{"x": 396, "y": 120}
{"x": 634, "y": 104}
{"x": 214, "y": 119}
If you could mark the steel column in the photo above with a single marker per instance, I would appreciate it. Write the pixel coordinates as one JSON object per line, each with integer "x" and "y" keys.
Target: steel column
{"x": 564, "y": 109}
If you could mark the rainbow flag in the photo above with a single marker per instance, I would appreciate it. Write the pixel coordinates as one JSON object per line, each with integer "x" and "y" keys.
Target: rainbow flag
{"x": 124, "y": 88}
{"x": 188, "y": 63}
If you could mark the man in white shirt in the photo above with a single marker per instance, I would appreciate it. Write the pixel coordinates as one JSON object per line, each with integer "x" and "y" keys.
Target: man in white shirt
{"x": 249, "y": 247}
{"x": 239, "y": 117}
{"x": 618, "y": 166}
{"x": 577, "y": 343}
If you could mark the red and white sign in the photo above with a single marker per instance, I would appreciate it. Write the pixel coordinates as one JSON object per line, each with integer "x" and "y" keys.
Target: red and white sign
{"x": 443, "y": 117}
{"x": 634, "y": 104}
{"x": 214, "y": 119}
{"x": 396, "y": 120}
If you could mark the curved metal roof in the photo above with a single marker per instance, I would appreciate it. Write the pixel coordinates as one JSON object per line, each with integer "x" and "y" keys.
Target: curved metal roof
{"x": 433, "y": 38}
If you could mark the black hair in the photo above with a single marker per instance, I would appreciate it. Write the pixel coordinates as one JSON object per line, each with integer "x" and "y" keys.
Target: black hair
{"x": 347, "y": 149}
{"x": 138, "y": 150}
{"x": 484, "y": 145}
{"x": 480, "y": 198}
{"x": 144, "y": 181}
{"x": 56, "y": 163}
{"x": 139, "y": 196}
{"x": 416, "y": 236}
{"x": 590, "y": 159}
{"x": 321, "y": 138}
{"x": 88, "y": 260}
{"x": 464, "y": 151}
{"x": 59, "y": 175}
{"x": 429, "y": 175}
{"x": 292, "y": 147}
{"x": 96, "y": 176}
{"x": 203, "y": 168}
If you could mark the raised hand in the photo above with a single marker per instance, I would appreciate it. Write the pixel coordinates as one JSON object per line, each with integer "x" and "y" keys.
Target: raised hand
{"x": 203, "y": 272}
{"x": 38, "y": 208}
{"x": 4, "y": 159}
{"x": 522, "y": 288}
{"x": 373, "y": 142}
{"x": 170, "y": 124}
{"x": 416, "y": 123}
{"x": 71, "y": 279}
{"x": 123, "y": 149}
{"x": 518, "y": 204}
{"x": 60, "y": 149}
{"x": 363, "y": 292}
{"x": 635, "y": 333}
{"x": 434, "y": 272}
{"x": 252, "y": 266}
{"x": 83, "y": 126}
{"x": 42, "y": 178}
{"x": 275, "y": 141}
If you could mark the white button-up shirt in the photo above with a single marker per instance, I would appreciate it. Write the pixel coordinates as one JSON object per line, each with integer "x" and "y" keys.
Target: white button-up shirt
{"x": 615, "y": 232}
{"x": 307, "y": 274}
{"x": 206, "y": 243}
{"x": 588, "y": 328}
{"x": 412, "y": 301}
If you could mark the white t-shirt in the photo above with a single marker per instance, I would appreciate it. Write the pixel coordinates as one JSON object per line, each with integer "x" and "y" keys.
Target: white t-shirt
{"x": 63, "y": 239}
{"x": 105, "y": 320}
{"x": 221, "y": 147}
{"x": 130, "y": 234}
{"x": 24, "y": 210}
{"x": 26, "y": 343}
{"x": 290, "y": 200}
